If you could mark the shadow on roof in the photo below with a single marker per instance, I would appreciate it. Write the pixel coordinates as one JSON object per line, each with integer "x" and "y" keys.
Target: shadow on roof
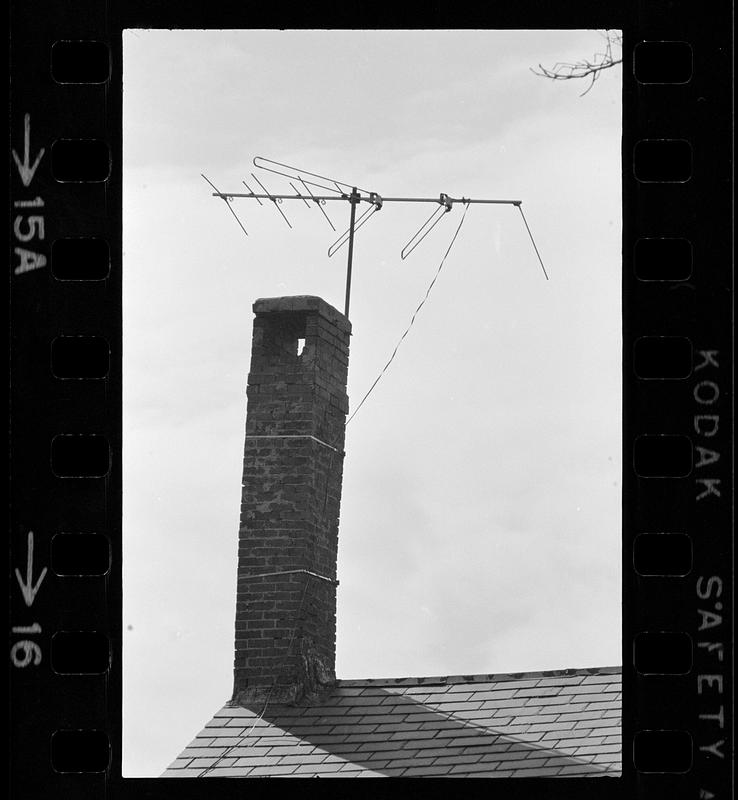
{"x": 393, "y": 734}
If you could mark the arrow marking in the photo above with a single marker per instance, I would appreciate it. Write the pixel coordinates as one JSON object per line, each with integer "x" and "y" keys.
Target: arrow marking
{"x": 24, "y": 167}
{"x": 27, "y": 587}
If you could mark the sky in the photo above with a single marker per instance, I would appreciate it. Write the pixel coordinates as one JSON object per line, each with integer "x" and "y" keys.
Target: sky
{"x": 480, "y": 517}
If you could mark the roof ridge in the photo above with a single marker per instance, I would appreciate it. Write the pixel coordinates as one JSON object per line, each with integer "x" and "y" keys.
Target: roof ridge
{"x": 480, "y": 678}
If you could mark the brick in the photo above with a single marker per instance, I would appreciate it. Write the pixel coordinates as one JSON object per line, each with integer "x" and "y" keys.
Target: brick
{"x": 284, "y": 482}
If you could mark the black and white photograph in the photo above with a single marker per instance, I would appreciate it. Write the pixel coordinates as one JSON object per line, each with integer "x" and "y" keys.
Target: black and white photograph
{"x": 372, "y": 403}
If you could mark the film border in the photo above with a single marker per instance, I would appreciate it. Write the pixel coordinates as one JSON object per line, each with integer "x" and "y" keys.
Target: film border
{"x": 66, "y": 435}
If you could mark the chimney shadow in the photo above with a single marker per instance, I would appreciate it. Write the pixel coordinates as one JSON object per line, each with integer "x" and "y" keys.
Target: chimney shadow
{"x": 393, "y": 734}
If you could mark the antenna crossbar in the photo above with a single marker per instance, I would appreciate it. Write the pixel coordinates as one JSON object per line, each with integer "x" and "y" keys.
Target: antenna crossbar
{"x": 371, "y": 197}
{"x": 346, "y": 192}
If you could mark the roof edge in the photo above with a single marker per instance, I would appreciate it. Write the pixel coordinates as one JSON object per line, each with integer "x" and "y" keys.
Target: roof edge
{"x": 483, "y": 678}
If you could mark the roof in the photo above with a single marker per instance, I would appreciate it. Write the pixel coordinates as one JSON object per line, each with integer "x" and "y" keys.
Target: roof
{"x": 514, "y": 725}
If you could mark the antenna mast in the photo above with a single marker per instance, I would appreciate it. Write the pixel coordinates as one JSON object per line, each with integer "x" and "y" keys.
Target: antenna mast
{"x": 346, "y": 192}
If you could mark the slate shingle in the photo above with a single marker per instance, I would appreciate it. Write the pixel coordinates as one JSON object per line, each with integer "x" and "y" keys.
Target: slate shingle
{"x": 553, "y": 723}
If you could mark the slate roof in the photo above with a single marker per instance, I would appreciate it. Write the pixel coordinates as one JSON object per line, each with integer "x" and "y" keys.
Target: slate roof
{"x": 516, "y": 725}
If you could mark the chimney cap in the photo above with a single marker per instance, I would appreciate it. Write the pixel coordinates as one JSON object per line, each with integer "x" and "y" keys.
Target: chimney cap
{"x": 302, "y": 302}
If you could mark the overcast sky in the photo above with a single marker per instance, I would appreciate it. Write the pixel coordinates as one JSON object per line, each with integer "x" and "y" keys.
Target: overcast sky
{"x": 480, "y": 520}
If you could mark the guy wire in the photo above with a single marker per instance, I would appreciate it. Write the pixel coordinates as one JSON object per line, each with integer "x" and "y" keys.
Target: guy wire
{"x": 280, "y": 671}
{"x": 422, "y": 303}
{"x": 225, "y": 753}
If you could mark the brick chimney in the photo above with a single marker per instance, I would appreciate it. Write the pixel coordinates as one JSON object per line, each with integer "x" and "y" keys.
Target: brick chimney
{"x": 292, "y": 473}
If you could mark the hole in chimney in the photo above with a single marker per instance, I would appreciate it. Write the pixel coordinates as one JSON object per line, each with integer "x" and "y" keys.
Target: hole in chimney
{"x": 300, "y": 346}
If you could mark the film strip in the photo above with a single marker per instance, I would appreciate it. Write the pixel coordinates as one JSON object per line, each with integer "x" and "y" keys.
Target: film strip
{"x": 65, "y": 638}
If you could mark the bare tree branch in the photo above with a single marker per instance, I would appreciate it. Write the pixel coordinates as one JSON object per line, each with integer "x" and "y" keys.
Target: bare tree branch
{"x": 586, "y": 68}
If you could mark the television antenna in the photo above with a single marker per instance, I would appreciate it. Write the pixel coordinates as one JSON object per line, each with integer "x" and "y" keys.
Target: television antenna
{"x": 349, "y": 193}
